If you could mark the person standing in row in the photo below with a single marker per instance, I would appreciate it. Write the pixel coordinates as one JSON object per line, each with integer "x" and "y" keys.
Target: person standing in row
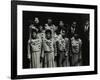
{"x": 86, "y": 43}
{"x": 34, "y": 49}
{"x": 50, "y": 26}
{"x": 49, "y": 48}
{"x": 62, "y": 49}
{"x": 76, "y": 50}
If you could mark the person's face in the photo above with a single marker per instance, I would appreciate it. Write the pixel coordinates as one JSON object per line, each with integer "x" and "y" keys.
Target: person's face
{"x": 63, "y": 32}
{"x": 41, "y": 28}
{"x": 61, "y": 23}
{"x": 74, "y": 24}
{"x": 48, "y": 35}
{"x": 49, "y": 21}
{"x": 34, "y": 34}
{"x": 36, "y": 20}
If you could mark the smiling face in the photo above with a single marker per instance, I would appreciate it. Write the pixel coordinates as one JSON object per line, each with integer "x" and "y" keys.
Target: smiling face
{"x": 48, "y": 34}
{"x": 34, "y": 34}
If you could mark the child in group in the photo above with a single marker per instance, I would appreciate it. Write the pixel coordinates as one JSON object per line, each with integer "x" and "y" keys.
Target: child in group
{"x": 62, "y": 49}
{"x": 49, "y": 48}
{"x": 34, "y": 49}
{"x": 76, "y": 44}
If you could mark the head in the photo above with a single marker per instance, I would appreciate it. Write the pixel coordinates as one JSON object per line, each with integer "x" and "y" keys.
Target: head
{"x": 48, "y": 34}
{"x": 49, "y": 21}
{"x": 63, "y": 32}
{"x": 36, "y": 20}
{"x": 40, "y": 28}
{"x": 61, "y": 23}
{"x": 34, "y": 33}
{"x": 87, "y": 23}
{"x": 74, "y": 24}
{"x": 76, "y": 36}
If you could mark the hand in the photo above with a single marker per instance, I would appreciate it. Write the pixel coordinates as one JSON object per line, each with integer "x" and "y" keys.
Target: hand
{"x": 41, "y": 59}
{"x": 29, "y": 57}
{"x": 66, "y": 54}
{"x": 80, "y": 57}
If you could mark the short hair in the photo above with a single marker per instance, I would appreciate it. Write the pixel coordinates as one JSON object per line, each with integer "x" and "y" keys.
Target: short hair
{"x": 48, "y": 31}
{"x": 63, "y": 29}
{"x": 34, "y": 30}
{"x": 76, "y": 36}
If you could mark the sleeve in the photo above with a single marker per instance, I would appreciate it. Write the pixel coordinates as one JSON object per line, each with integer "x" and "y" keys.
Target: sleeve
{"x": 67, "y": 46}
{"x": 55, "y": 48}
{"x": 42, "y": 48}
{"x": 70, "y": 47}
{"x": 80, "y": 43}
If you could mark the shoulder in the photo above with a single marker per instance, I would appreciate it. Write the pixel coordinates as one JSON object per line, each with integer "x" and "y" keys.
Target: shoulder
{"x": 29, "y": 41}
{"x": 46, "y": 24}
{"x": 53, "y": 25}
{"x": 31, "y": 26}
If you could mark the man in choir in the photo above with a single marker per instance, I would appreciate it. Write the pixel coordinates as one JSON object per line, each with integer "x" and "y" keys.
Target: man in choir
{"x": 49, "y": 47}
{"x": 76, "y": 51}
{"x": 62, "y": 49}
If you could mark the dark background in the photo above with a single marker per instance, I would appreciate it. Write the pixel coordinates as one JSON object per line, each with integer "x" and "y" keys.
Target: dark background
{"x": 28, "y": 18}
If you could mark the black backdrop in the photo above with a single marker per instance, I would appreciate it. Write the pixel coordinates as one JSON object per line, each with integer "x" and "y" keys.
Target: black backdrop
{"x": 28, "y": 17}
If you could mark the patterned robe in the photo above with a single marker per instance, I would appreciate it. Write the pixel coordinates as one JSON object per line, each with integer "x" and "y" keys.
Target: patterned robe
{"x": 76, "y": 51}
{"x": 49, "y": 52}
{"x": 63, "y": 49}
{"x": 34, "y": 52}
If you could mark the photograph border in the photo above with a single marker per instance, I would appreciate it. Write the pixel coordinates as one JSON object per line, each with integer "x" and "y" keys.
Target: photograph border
{"x": 14, "y": 39}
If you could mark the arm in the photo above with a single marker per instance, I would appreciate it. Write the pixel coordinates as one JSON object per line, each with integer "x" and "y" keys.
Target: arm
{"x": 55, "y": 49}
{"x": 67, "y": 46}
{"x": 42, "y": 49}
{"x": 42, "y": 52}
{"x": 80, "y": 45}
{"x": 29, "y": 52}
